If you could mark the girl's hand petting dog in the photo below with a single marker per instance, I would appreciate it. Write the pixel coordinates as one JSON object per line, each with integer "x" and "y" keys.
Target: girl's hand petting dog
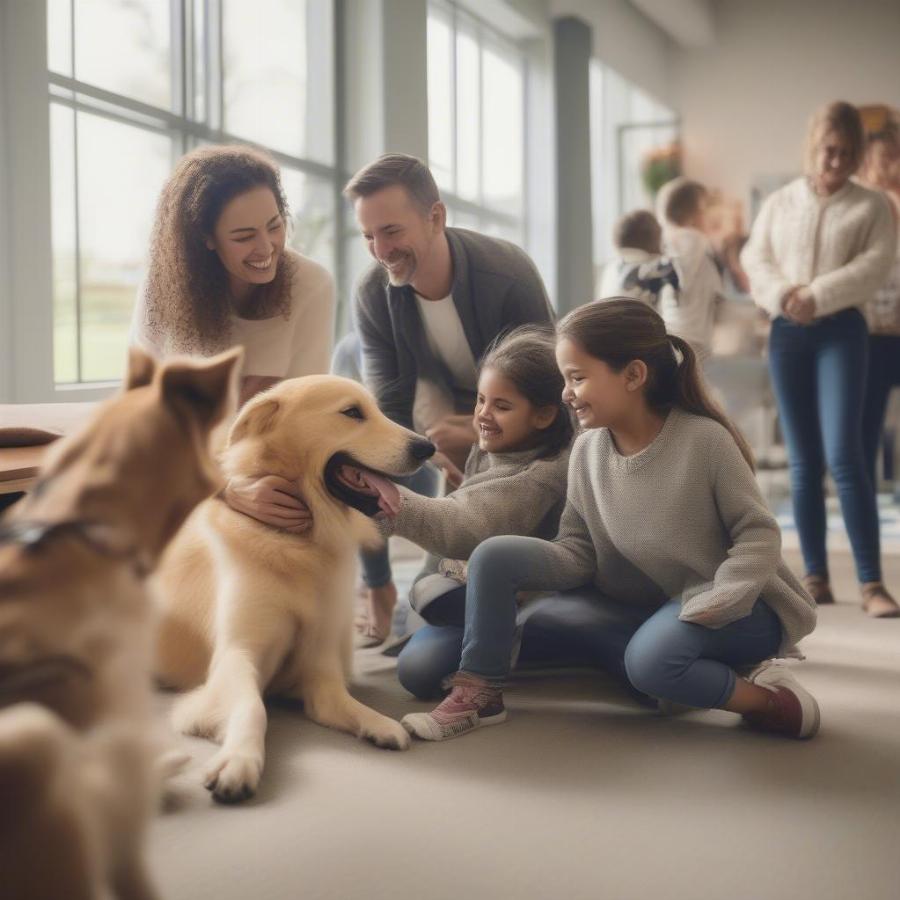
{"x": 272, "y": 500}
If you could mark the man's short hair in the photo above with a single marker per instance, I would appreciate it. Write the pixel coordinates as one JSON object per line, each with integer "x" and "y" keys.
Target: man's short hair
{"x": 391, "y": 169}
{"x": 640, "y": 230}
{"x": 843, "y": 119}
{"x": 679, "y": 200}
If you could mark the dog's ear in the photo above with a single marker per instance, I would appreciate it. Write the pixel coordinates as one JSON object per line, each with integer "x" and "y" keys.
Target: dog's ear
{"x": 257, "y": 417}
{"x": 205, "y": 389}
{"x": 141, "y": 367}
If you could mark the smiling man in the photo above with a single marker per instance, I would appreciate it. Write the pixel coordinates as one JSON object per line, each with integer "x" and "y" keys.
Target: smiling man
{"x": 426, "y": 311}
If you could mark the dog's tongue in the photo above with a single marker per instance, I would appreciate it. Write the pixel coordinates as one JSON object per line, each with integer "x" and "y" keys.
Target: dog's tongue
{"x": 388, "y": 495}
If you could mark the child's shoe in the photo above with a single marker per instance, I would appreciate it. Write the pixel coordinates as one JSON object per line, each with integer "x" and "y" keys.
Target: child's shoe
{"x": 471, "y": 703}
{"x": 792, "y": 711}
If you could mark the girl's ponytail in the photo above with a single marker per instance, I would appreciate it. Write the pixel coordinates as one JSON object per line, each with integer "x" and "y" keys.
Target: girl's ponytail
{"x": 692, "y": 396}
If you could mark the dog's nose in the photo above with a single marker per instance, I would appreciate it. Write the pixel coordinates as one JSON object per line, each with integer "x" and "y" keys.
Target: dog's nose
{"x": 422, "y": 450}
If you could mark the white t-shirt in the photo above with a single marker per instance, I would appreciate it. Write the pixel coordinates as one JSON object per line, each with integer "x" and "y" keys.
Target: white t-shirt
{"x": 447, "y": 340}
{"x": 691, "y": 313}
{"x": 275, "y": 347}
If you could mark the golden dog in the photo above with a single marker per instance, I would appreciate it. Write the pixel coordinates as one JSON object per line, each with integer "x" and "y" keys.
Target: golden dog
{"x": 79, "y": 772}
{"x": 248, "y": 610}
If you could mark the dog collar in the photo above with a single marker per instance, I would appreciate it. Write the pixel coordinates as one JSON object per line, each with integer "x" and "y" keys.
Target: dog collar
{"x": 32, "y": 536}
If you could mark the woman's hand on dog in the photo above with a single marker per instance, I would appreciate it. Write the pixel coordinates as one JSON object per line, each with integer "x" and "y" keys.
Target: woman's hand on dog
{"x": 272, "y": 500}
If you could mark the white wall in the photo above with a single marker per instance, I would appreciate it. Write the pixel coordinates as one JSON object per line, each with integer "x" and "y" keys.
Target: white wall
{"x": 746, "y": 99}
{"x": 625, "y": 39}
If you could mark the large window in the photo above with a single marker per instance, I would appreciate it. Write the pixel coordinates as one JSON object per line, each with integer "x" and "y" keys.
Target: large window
{"x": 476, "y": 122}
{"x": 134, "y": 84}
{"x": 631, "y": 133}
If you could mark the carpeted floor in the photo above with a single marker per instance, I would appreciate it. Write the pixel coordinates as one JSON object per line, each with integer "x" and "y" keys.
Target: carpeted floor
{"x": 581, "y": 794}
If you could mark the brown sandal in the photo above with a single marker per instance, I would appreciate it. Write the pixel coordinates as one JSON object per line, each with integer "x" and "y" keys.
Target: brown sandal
{"x": 819, "y": 589}
{"x": 877, "y": 602}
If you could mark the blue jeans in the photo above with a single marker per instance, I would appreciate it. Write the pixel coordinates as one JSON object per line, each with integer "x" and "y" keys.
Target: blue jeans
{"x": 819, "y": 378}
{"x": 651, "y": 650}
{"x": 884, "y": 376}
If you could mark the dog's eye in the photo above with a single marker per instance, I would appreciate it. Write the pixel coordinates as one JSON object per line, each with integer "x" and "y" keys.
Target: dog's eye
{"x": 353, "y": 412}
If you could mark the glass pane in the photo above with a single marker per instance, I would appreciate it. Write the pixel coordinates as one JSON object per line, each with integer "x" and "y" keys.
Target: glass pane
{"x": 503, "y": 143}
{"x": 468, "y": 112}
{"x": 311, "y": 204}
{"x": 277, "y": 85}
{"x": 62, "y": 213}
{"x": 121, "y": 170}
{"x": 124, "y": 46}
{"x": 200, "y": 59}
{"x": 440, "y": 100}
{"x": 59, "y": 36}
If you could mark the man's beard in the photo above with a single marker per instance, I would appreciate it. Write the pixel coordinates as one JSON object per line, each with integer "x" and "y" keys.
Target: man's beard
{"x": 402, "y": 276}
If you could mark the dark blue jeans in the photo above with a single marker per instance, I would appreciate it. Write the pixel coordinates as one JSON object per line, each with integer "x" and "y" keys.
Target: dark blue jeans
{"x": 819, "y": 379}
{"x": 884, "y": 376}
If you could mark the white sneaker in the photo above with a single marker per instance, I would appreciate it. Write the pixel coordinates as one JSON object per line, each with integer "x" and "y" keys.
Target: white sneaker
{"x": 428, "y": 588}
{"x": 800, "y": 717}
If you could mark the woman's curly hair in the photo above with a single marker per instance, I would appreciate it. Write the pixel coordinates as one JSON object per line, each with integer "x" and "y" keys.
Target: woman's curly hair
{"x": 187, "y": 294}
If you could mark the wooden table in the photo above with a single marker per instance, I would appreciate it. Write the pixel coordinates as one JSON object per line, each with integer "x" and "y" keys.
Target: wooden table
{"x": 19, "y": 465}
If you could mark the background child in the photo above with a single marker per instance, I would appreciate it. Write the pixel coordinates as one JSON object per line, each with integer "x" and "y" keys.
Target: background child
{"x": 664, "y": 516}
{"x": 640, "y": 271}
{"x": 690, "y": 314}
{"x": 514, "y": 483}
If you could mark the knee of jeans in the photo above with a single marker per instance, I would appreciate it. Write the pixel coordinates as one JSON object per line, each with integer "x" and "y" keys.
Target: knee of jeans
{"x": 420, "y": 672}
{"x": 646, "y": 667}
{"x": 496, "y": 553}
{"x": 847, "y": 467}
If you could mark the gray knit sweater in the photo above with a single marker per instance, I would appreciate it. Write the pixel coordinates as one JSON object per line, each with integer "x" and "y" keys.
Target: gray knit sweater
{"x": 502, "y": 493}
{"x": 682, "y": 518}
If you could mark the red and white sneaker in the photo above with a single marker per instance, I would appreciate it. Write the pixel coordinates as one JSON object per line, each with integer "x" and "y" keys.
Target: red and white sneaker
{"x": 471, "y": 703}
{"x": 793, "y": 711}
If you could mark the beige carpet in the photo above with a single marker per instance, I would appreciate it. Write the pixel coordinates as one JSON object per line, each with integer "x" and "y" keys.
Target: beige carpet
{"x": 581, "y": 794}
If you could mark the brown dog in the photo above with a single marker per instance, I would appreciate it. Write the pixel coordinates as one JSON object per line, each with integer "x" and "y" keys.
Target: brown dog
{"x": 77, "y": 769}
{"x": 250, "y": 611}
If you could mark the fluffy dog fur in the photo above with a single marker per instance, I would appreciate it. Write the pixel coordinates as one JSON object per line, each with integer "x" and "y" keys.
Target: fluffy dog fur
{"x": 79, "y": 771}
{"x": 248, "y": 610}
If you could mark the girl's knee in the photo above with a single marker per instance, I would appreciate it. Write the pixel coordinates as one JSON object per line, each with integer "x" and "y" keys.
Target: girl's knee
{"x": 429, "y": 657}
{"x": 417, "y": 676}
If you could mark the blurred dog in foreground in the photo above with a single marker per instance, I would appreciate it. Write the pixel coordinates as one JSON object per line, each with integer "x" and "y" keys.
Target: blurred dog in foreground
{"x": 79, "y": 770}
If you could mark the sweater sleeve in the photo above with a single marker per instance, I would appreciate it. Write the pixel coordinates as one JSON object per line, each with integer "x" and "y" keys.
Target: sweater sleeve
{"x": 755, "y": 550}
{"x": 526, "y": 302}
{"x": 767, "y": 282}
{"x": 455, "y": 525}
{"x": 314, "y": 325}
{"x": 381, "y": 367}
{"x": 855, "y": 282}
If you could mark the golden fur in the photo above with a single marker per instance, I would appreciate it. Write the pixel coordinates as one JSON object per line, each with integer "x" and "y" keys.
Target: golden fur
{"x": 248, "y": 610}
{"x": 78, "y": 768}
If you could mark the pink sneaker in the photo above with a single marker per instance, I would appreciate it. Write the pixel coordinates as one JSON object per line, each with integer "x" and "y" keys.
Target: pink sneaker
{"x": 471, "y": 703}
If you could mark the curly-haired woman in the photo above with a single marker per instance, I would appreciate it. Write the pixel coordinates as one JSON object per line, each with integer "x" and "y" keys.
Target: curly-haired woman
{"x": 220, "y": 275}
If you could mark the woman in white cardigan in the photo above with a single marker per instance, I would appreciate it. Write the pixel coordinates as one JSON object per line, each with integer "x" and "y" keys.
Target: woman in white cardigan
{"x": 820, "y": 249}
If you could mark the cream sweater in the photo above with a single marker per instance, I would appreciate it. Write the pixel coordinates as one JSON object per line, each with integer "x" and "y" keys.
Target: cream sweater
{"x": 841, "y": 246}
{"x": 275, "y": 347}
{"x": 682, "y": 518}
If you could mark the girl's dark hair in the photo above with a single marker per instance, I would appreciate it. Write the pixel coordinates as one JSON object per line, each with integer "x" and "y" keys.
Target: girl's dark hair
{"x": 187, "y": 294}
{"x": 527, "y": 357}
{"x": 621, "y": 330}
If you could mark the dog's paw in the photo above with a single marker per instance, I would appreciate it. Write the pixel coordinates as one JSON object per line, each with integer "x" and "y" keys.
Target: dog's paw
{"x": 385, "y": 732}
{"x": 231, "y": 777}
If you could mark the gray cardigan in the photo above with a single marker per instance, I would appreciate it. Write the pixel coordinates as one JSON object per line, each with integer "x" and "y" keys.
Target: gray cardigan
{"x": 496, "y": 287}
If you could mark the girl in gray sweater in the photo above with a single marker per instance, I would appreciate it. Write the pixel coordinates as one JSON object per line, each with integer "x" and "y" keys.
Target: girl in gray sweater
{"x": 514, "y": 483}
{"x": 675, "y": 558}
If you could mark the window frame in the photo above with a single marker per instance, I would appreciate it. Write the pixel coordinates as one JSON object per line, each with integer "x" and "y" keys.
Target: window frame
{"x": 486, "y": 35}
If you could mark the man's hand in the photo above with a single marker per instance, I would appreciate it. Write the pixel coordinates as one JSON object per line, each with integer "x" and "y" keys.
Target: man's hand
{"x": 453, "y": 435}
{"x": 799, "y": 305}
{"x": 272, "y": 500}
